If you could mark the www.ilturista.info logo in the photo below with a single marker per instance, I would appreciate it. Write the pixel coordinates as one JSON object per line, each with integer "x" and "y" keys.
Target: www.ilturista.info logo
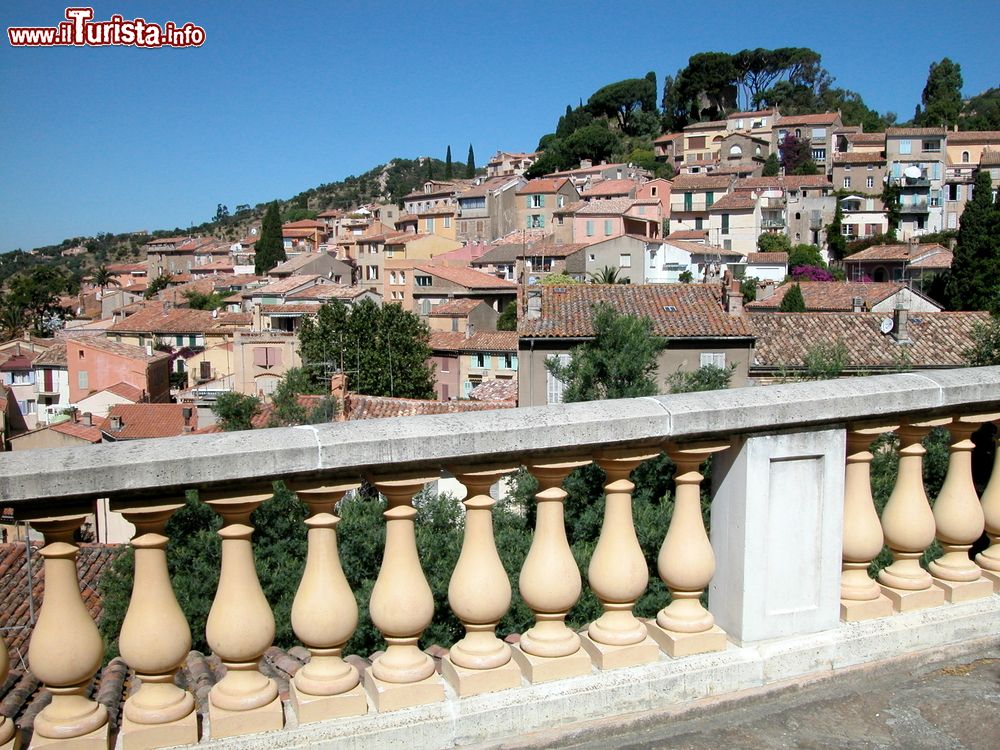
{"x": 80, "y": 30}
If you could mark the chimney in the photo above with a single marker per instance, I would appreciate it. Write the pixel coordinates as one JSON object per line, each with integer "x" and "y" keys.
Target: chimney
{"x": 338, "y": 386}
{"x": 88, "y": 419}
{"x": 857, "y": 304}
{"x": 534, "y": 310}
{"x": 186, "y": 412}
{"x": 900, "y": 320}
{"x": 734, "y": 302}
{"x": 470, "y": 329}
{"x": 586, "y": 163}
{"x": 116, "y": 423}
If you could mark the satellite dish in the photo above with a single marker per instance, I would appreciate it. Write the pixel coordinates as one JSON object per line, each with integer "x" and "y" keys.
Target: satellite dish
{"x": 886, "y": 325}
{"x": 912, "y": 173}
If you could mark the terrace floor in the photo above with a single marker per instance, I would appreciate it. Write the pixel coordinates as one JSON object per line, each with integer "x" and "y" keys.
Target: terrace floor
{"x": 947, "y": 701}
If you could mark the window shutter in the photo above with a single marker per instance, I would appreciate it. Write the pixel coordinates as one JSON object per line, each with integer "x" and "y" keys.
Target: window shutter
{"x": 260, "y": 356}
{"x": 541, "y": 201}
{"x": 527, "y": 201}
{"x": 541, "y": 220}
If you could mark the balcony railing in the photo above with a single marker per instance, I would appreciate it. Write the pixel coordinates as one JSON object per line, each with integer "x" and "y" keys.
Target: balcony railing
{"x": 772, "y": 223}
{"x": 917, "y": 207}
{"x": 793, "y": 530}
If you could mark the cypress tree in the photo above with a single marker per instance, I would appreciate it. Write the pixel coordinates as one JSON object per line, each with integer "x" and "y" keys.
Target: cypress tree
{"x": 470, "y": 165}
{"x": 973, "y": 283}
{"x": 771, "y": 166}
{"x": 836, "y": 245}
{"x": 447, "y": 164}
{"x": 269, "y": 250}
{"x": 793, "y": 301}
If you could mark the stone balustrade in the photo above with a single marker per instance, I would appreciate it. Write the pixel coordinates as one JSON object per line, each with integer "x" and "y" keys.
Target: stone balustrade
{"x": 793, "y": 531}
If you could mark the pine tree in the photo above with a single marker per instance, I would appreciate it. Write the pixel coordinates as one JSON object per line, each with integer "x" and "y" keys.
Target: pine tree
{"x": 793, "y": 300}
{"x": 942, "y": 96}
{"x": 447, "y": 164}
{"x": 470, "y": 165}
{"x": 269, "y": 250}
{"x": 771, "y": 166}
{"x": 973, "y": 282}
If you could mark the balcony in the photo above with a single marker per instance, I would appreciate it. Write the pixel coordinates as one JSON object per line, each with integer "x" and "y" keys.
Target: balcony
{"x": 793, "y": 530}
{"x": 772, "y": 222}
{"x": 917, "y": 207}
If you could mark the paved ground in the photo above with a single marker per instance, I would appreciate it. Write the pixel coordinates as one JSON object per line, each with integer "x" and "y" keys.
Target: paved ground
{"x": 952, "y": 703}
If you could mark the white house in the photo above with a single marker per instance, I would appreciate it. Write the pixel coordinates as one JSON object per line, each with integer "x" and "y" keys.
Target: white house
{"x": 706, "y": 263}
{"x": 767, "y": 266}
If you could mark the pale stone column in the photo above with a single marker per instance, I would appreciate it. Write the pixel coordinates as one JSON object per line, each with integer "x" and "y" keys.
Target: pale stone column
{"x": 989, "y": 558}
{"x": 155, "y": 639}
{"x": 240, "y": 628}
{"x": 686, "y": 562}
{"x": 402, "y": 606}
{"x": 860, "y": 596}
{"x": 618, "y": 573}
{"x": 479, "y": 595}
{"x": 550, "y": 584}
{"x": 324, "y": 617}
{"x": 66, "y": 648}
{"x": 10, "y": 738}
{"x": 959, "y": 518}
{"x": 908, "y": 525}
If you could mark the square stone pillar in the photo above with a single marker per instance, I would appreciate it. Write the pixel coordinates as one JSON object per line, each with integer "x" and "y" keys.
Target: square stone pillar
{"x": 777, "y": 529}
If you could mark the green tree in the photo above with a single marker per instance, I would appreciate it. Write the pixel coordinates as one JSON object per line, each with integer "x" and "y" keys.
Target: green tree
{"x": 157, "y": 285}
{"x": 269, "y": 250}
{"x": 32, "y": 298}
{"x": 893, "y": 211}
{"x": 619, "y": 362}
{"x": 204, "y": 301}
{"x": 507, "y": 321}
{"x": 470, "y": 164}
{"x": 973, "y": 283}
{"x": 621, "y": 100}
{"x": 825, "y": 360}
{"x": 447, "y": 164}
{"x": 384, "y": 350}
{"x": 836, "y": 244}
{"x": 235, "y": 411}
{"x": 558, "y": 279}
{"x": 941, "y": 97}
{"x": 607, "y": 275}
{"x": 595, "y": 142}
{"x": 102, "y": 278}
{"x": 774, "y": 243}
{"x": 985, "y": 349}
{"x": 807, "y": 167}
{"x": 288, "y": 407}
{"x": 705, "y": 378}
{"x": 805, "y": 255}
{"x": 685, "y": 276}
{"x": 771, "y": 166}
{"x": 793, "y": 301}
{"x": 748, "y": 288}
{"x": 982, "y": 112}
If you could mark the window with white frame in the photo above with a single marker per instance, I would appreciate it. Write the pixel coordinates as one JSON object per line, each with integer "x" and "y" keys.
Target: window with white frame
{"x": 535, "y": 201}
{"x": 716, "y": 359}
{"x": 905, "y": 147}
{"x": 422, "y": 280}
{"x": 625, "y": 260}
{"x": 870, "y": 182}
{"x": 847, "y": 182}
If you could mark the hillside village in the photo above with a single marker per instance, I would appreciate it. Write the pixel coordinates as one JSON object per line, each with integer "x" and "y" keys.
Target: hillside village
{"x": 128, "y": 364}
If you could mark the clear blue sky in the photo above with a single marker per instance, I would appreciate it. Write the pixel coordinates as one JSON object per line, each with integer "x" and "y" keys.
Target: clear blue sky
{"x": 284, "y": 96}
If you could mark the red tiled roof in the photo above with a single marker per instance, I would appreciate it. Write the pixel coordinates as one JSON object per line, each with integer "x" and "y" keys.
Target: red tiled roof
{"x": 858, "y": 157}
{"x": 700, "y": 182}
{"x": 667, "y": 137}
{"x": 688, "y": 234}
{"x": 939, "y": 339}
{"x": 140, "y": 421}
{"x": 542, "y": 185}
{"x": 611, "y": 187}
{"x": 605, "y": 206}
{"x": 829, "y": 296}
{"x": 989, "y": 158}
{"x": 304, "y": 224}
{"x": 303, "y": 307}
{"x": 460, "y": 307}
{"x": 676, "y": 310}
{"x": 738, "y": 201}
{"x": 382, "y": 407}
{"x": 18, "y": 361}
{"x": 133, "y": 394}
{"x": 466, "y": 277}
{"x": 821, "y": 118}
{"x": 298, "y": 233}
{"x": 866, "y": 138}
{"x": 54, "y": 356}
{"x": 285, "y": 285}
{"x": 91, "y": 433}
{"x": 495, "y": 390}
{"x": 701, "y": 248}
{"x": 898, "y": 252}
{"x": 122, "y": 350}
{"x": 550, "y": 250}
{"x": 767, "y": 259}
{"x": 155, "y": 319}
{"x": 903, "y": 132}
{"x": 974, "y": 136}
{"x": 707, "y": 125}
{"x": 483, "y": 341}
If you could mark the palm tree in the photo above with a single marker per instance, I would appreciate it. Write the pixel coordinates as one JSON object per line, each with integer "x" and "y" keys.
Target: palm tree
{"x": 607, "y": 275}
{"x": 103, "y": 277}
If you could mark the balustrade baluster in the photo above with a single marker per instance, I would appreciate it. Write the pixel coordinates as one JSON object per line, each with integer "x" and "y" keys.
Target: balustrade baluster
{"x": 479, "y": 594}
{"x": 324, "y": 617}
{"x": 240, "y": 628}
{"x": 860, "y": 596}
{"x": 908, "y": 525}
{"x": 550, "y": 584}
{"x": 155, "y": 639}
{"x": 10, "y": 738}
{"x": 989, "y": 558}
{"x": 402, "y": 606}
{"x": 959, "y": 519}
{"x": 686, "y": 563}
{"x": 66, "y": 648}
{"x": 618, "y": 573}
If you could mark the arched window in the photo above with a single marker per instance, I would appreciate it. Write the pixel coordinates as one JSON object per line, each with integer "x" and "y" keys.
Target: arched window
{"x": 965, "y": 157}
{"x": 798, "y": 133}
{"x": 756, "y": 151}
{"x": 735, "y": 152}
{"x": 797, "y": 216}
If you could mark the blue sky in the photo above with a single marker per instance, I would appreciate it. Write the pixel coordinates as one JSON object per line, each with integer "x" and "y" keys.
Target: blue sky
{"x": 284, "y": 96}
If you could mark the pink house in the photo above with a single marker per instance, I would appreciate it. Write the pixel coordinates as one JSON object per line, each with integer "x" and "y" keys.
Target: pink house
{"x": 95, "y": 363}
{"x": 600, "y": 220}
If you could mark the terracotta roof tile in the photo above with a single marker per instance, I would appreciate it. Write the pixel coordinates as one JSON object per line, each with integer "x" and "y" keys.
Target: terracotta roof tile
{"x": 382, "y": 407}
{"x": 155, "y": 319}
{"x": 122, "y": 350}
{"x": 483, "y": 341}
{"x": 701, "y": 248}
{"x": 904, "y": 132}
{"x": 974, "y": 136}
{"x": 821, "y": 118}
{"x": 900, "y": 252}
{"x": 688, "y": 234}
{"x": 124, "y": 390}
{"x": 767, "y": 258}
{"x": 466, "y": 277}
{"x": 495, "y": 390}
{"x": 283, "y": 286}
{"x": 551, "y": 250}
{"x": 989, "y": 159}
{"x": 141, "y": 421}
{"x": 858, "y": 157}
{"x": 700, "y": 182}
{"x": 738, "y": 201}
{"x": 830, "y": 296}
{"x": 460, "y": 307}
{"x": 542, "y": 185}
{"x": 606, "y": 206}
{"x": 676, "y": 310}
{"x": 91, "y": 433}
{"x": 611, "y": 187}
{"x": 939, "y": 339}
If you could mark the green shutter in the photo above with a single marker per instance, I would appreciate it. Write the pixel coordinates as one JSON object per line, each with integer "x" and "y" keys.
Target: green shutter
{"x": 541, "y": 221}
{"x": 527, "y": 201}
{"x": 709, "y": 199}
{"x": 541, "y": 201}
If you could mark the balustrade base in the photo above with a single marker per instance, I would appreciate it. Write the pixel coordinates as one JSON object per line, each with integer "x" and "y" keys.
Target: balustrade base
{"x": 908, "y": 601}
{"x": 310, "y": 708}
{"x": 852, "y": 610}
{"x": 964, "y": 591}
{"x": 989, "y": 575}
{"x": 676, "y": 644}
{"x": 618, "y": 657}
{"x": 466, "y": 682}
{"x": 224, "y": 723}
{"x": 137, "y": 736}
{"x": 392, "y": 696}
{"x": 547, "y": 668}
{"x": 96, "y": 740}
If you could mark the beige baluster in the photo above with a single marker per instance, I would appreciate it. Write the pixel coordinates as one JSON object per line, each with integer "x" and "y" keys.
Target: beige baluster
{"x": 66, "y": 648}
{"x": 618, "y": 573}
{"x": 908, "y": 525}
{"x": 240, "y": 628}
{"x": 479, "y": 595}
{"x": 860, "y": 596}
{"x": 989, "y": 558}
{"x": 324, "y": 617}
{"x": 10, "y": 738}
{"x": 155, "y": 639}
{"x": 402, "y": 606}
{"x": 550, "y": 585}
{"x": 959, "y": 518}
{"x": 686, "y": 562}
